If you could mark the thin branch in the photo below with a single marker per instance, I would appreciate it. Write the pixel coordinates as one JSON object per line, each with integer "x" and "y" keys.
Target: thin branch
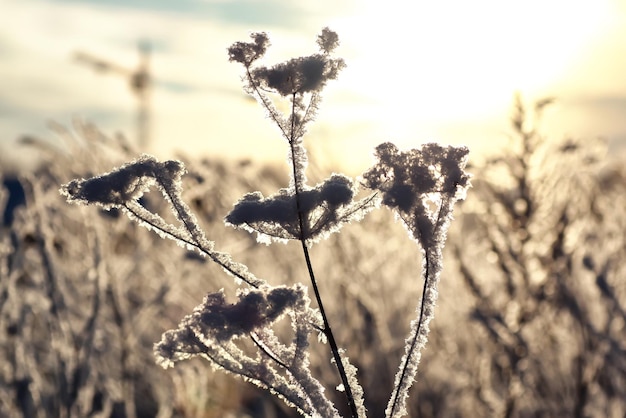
{"x": 396, "y": 396}
{"x": 327, "y": 330}
{"x": 266, "y": 103}
{"x": 427, "y": 251}
{"x": 213, "y": 255}
{"x": 266, "y": 351}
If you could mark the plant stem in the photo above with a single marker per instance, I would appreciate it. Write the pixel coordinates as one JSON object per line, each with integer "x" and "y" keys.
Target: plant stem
{"x": 329, "y": 334}
{"x": 327, "y": 330}
{"x": 411, "y": 350}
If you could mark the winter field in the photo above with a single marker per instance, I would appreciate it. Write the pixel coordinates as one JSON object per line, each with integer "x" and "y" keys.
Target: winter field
{"x": 530, "y": 319}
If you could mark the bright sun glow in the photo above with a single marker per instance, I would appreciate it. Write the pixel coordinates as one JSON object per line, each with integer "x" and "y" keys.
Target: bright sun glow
{"x": 442, "y": 71}
{"x": 427, "y": 63}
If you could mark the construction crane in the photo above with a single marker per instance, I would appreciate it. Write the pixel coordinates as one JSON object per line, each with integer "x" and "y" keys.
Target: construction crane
{"x": 140, "y": 83}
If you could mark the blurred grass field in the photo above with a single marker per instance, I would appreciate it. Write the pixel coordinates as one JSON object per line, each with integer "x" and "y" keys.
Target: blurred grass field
{"x": 530, "y": 322}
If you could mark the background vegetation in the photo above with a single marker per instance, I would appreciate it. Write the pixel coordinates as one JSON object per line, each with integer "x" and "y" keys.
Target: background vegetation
{"x": 530, "y": 322}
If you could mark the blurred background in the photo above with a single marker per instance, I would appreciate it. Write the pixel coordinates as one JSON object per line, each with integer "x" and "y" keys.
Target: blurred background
{"x": 531, "y": 317}
{"x": 444, "y": 71}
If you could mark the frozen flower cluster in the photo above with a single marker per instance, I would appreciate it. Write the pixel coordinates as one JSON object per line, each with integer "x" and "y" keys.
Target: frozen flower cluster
{"x": 296, "y": 76}
{"x": 313, "y": 214}
{"x": 416, "y": 181}
{"x": 125, "y": 184}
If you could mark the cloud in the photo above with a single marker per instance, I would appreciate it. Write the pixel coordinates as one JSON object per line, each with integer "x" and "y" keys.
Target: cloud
{"x": 197, "y": 93}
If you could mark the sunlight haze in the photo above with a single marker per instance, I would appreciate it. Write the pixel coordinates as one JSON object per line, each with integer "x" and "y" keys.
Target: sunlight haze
{"x": 432, "y": 71}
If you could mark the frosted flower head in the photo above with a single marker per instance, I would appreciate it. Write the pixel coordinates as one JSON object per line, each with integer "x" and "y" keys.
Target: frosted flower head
{"x": 414, "y": 181}
{"x": 125, "y": 184}
{"x": 299, "y": 75}
{"x": 328, "y": 40}
{"x": 324, "y": 208}
{"x": 404, "y": 176}
{"x": 253, "y": 310}
{"x": 248, "y": 52}
{"x": 217, "y": 321}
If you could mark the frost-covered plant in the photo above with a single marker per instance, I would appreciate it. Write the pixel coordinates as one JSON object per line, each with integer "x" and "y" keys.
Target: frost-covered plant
{"x": 240, "y": 337}
{"x": 537, "y": 255}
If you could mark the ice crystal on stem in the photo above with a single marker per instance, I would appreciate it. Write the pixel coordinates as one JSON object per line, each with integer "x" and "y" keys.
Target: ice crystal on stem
{"x": 421, "y": 186}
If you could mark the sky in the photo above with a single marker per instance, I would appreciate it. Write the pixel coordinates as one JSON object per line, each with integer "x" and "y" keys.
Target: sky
{"x": 444, "y": 71}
